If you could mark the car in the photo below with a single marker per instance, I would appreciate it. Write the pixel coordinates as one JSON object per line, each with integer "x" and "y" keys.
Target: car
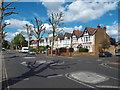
{"x": 31, "y": 52}
{"x": 3, "y": 49}
{"x": 24, "y": 50}
{"x": 117, "y": 53}
{"x": 44, "y": 51}
{"x": 105, "y": 54}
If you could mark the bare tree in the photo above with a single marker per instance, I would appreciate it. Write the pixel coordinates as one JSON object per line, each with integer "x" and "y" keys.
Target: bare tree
{"x": 55, "y": 20}
{"x": 38, "y": 31}
{"x": 3, "y": 14}
{"x": 29, "y": 33}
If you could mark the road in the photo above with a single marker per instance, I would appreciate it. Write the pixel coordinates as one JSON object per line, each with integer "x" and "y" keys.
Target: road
{"x": 40, "y": 71}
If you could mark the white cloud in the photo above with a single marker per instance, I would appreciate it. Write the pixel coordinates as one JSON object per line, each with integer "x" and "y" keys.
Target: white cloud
{"x": 85, "y": 11}
{"x": 53, "y": 5}
{"x": 113, "y": 30}
{"x": 10, "y": 35}
{"x": 80, "y": 10}
{"x": 17, "y": 24}
{"x": 110, "y": 14}
{"x": 65, "y": 29}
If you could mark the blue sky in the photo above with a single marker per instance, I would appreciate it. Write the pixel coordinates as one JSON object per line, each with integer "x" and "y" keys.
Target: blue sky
{"x": 77, "y": 15}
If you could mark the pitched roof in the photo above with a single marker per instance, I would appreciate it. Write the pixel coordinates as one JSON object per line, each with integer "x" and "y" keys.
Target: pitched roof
{"x": 91, "y": 30}
{"x": 77, "y": 33}
{"x": 68, "y": 35}
{"x": 33, "y": 42}
{"x": 60, "y": 36}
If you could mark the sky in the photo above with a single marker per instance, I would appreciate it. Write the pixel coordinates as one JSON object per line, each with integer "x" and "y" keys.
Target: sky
{"x": 78, "y": 14}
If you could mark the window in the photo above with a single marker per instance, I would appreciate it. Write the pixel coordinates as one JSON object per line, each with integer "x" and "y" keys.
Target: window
{"x": 81, "y": 40}
{"x": 86, "y": 39}
{"x": 89, "y": 38}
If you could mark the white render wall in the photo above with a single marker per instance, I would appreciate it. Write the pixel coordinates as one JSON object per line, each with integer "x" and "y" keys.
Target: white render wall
{"x": 67, "y": 42}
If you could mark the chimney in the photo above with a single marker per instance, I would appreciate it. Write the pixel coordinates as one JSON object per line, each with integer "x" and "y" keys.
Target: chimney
{"x": 98, "y": 26}
{"x": 105, "y": 27}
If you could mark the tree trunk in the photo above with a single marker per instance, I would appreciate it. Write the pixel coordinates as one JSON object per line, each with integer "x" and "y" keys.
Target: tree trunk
{"x": 28, "y": 42}
{"x": 37, "y": 46}
{"x": 0, "y": 26}
{"x": 52, "y": 45}
{"x": 71, "y": 46}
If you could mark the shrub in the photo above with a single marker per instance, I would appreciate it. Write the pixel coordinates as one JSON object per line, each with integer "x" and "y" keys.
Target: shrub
{"x": 42, "y": 48}
{"x": 83, "y": 50}
{"x": 62, "y": 49}
{"x": 34, "y": 49}
{"x": 71, "y": 49}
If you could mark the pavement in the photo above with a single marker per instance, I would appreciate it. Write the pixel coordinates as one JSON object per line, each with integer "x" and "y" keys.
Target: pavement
{"x": 0, "y": 70}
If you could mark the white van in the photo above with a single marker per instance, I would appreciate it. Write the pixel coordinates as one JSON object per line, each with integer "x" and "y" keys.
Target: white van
{"x": 24, "y": 50}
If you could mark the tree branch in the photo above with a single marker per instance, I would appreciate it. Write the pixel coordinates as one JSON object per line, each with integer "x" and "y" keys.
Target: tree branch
{"x": 10, "y": 3}
{"x": 4, "y": 25}
{"x": 7, "y": 14}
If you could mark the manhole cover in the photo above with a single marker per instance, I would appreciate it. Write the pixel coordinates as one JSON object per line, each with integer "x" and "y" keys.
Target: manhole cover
{"x": 87, "y": 77}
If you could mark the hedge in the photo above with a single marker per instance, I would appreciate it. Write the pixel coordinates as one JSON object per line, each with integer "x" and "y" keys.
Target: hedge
{"x": 42, "y": 48}
{"x": 34, "y": 49}
{"x": 71, "y": 49}
{"x": 83, "y": 50}
{"x": 62, "y": 49}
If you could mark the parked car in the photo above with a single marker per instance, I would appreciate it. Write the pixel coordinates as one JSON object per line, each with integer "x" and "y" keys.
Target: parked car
{"x": 44, "y": 51}
{"x": 24, "y": 50}
{"x": 3, "y": 49}
{"x": 31, "y": 52}
{"x": 105, "y": 54}
{"x": 117, "y": 53}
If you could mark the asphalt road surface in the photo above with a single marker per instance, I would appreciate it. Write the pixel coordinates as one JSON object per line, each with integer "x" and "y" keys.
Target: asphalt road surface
{"x": 21, "y": 70}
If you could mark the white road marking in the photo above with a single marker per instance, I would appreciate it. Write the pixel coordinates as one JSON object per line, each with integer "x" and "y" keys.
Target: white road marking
{"x": 55, "y": 76}
{"x": 113, "y": 77}
{"x": 24, "y": 63}
{"x": 99, "y": 60}
{"x": 103, "y": 86}
{"x": 105, "y": 65}
{"x": 79, "y": 81}
{"x": 28, "y": 57}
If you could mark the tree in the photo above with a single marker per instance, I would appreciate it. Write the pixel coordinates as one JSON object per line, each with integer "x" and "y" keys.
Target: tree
{"x": 6, "y": 44}
{"x": 29, "y": 33}
{"x": 3, "y": 14}
{"x": 105, "y": 44}
{"x": 39, "y": 31}
{"x": 19, "y": 41}
{"x": 55, "y": 20}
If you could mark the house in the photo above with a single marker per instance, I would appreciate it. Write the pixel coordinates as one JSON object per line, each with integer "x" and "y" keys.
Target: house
{"x": 33, "y": 43}
{"x": 90, "y": 38}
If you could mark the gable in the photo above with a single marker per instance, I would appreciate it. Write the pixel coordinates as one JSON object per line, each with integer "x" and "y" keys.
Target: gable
{"x": 90, "y": 31}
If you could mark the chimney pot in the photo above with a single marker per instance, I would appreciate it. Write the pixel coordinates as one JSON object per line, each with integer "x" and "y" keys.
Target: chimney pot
{"x": 98, "y": 25}
{"x": 105, "y": 27}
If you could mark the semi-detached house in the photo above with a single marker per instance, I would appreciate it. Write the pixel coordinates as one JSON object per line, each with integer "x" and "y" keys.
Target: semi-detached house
{"x": 89, "y": 38}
